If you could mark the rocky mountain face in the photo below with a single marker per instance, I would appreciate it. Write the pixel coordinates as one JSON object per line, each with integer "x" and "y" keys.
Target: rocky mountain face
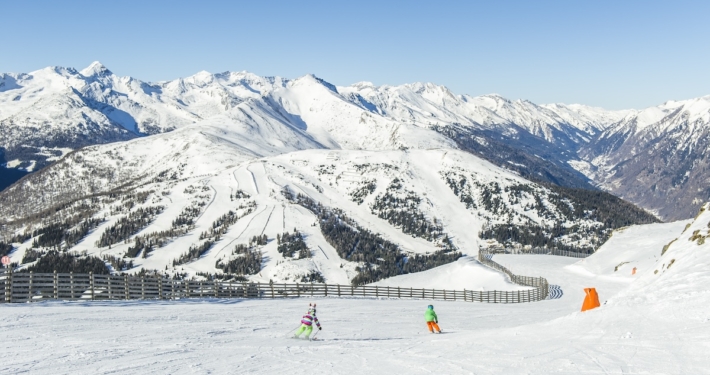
{"x": 657, "y": 158}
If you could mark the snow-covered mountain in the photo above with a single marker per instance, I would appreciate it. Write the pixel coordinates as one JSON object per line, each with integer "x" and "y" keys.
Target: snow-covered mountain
{"x": 70, "y": 108}
{"x": 222, "y": 198}
{"x": 657, "y": 157}
{"x": 49, "y": 112}
{"x": 427, "y": 104}
{"x": 64, "y": 108}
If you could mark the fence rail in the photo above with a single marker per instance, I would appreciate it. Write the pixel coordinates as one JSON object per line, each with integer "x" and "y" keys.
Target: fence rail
{"x": 539, "y": 283}
{"x": 536, "y": 250}
{"x": 20, "y": 287}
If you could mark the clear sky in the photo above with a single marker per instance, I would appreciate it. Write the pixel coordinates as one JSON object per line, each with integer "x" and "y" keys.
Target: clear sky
{"x": 613, "y": 54}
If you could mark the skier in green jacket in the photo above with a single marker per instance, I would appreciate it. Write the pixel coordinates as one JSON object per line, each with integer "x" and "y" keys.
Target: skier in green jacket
{"x": 432, "y": 320}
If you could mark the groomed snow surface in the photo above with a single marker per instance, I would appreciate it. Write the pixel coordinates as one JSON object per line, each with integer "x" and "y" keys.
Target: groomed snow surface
{"x": 659, "y": 327}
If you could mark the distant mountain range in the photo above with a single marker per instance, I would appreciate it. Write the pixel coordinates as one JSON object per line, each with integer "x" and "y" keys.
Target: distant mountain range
{"x": 656, "y": 158}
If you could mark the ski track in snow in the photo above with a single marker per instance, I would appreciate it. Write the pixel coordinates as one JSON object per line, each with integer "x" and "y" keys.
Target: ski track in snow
{"x": 254, "y": 216}
{"x": 253, "y": 179}
{"x": 214, "y": 196}
{"x": 268, "y": 219}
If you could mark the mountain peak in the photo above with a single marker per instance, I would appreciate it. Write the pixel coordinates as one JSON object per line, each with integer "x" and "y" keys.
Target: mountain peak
{"x": 311, "y": 78}
{"x": 95, "y": 69}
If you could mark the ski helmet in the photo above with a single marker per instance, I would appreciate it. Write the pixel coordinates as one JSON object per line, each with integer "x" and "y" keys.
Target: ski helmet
{"x": 430, "y": 307}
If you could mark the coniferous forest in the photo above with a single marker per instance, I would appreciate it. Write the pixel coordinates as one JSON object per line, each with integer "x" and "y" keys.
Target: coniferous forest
{"x": 569, "y": 219}
{"x": 379, "y": 258}
{"x": 64, "y": 262}
{"x": 290, "y": 244}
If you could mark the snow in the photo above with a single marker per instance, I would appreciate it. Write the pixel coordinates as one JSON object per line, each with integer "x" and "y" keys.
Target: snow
{"x": 360, "y": 116}
{"x": 427, "y": 104}
{"x": 13, "y": 163}
{"x": 466, "y": 273}
{"x": 230, "y": 131}
{"x": 643, "y": 326}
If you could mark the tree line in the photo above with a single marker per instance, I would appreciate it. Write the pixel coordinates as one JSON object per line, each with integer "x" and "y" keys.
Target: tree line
{"x": 379, "y": 258}
{"x": 129, "y": 225}
{"x": 292, "y": 243}
{"x": 65, "y": 262}
{"x": 247, "y": 261}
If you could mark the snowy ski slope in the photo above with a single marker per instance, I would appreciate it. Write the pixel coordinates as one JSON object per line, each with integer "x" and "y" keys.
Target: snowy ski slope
{"x": 649, "y": 323}
{"x": 212, "y": 162}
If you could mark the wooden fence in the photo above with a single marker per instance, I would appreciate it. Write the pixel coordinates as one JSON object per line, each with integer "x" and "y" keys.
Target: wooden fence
{"x": 536, "y": 250}
{"x": 539, "y": 283}
{"x": 18, "y": 287}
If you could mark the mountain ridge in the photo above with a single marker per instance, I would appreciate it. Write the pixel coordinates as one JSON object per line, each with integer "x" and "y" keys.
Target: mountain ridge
{"x": 573, "y": 145}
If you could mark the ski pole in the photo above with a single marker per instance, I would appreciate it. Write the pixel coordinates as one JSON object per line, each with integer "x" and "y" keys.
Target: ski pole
{"x": 293, "y": 329}
{"x": 314, "y": 336}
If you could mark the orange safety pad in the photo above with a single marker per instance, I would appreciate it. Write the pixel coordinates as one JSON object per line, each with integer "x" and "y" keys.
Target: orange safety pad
{"x": 591, "y": 299}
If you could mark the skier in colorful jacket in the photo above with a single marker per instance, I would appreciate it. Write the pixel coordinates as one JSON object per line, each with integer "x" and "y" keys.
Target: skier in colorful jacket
{"x": 307, "y": 322}
{"x": 432, "y": 321}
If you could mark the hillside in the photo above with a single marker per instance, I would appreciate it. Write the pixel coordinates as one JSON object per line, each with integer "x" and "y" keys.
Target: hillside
{"x": 234, "y": 200}
{"x": 657, "y": 158}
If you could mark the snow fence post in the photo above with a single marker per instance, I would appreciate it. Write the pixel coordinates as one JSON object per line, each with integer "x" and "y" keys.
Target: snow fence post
{"x": 91, "y": 284}
{"x": 160, "y": 287}
{"x": 142, "y": 287}
{"x": 271, "y": 284}
{"x": 216, "y": 288}
{"x": 200, "y": 289}
{"x": 29, "y": 288}
{"x": 108, "y": 280}
{"x": 352, "y": 290}
{"x": 71, "y": 284}
{"x": 56, "y": 285}
{"x": 298, "y": 290}
{"x": 464, "y": 294}
{"x": 326, "y": 289}
{"x": 126, "y": 290}
{"x": 311, "y": 289}
{"x": 338, "y": 290}
{"x": 377, "y": 292}
{"x": 399, "y": 293}
{"x": 8, "y": 294}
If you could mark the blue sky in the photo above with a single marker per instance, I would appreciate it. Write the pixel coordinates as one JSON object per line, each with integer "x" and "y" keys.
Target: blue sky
{"x": 616, "y": 54}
